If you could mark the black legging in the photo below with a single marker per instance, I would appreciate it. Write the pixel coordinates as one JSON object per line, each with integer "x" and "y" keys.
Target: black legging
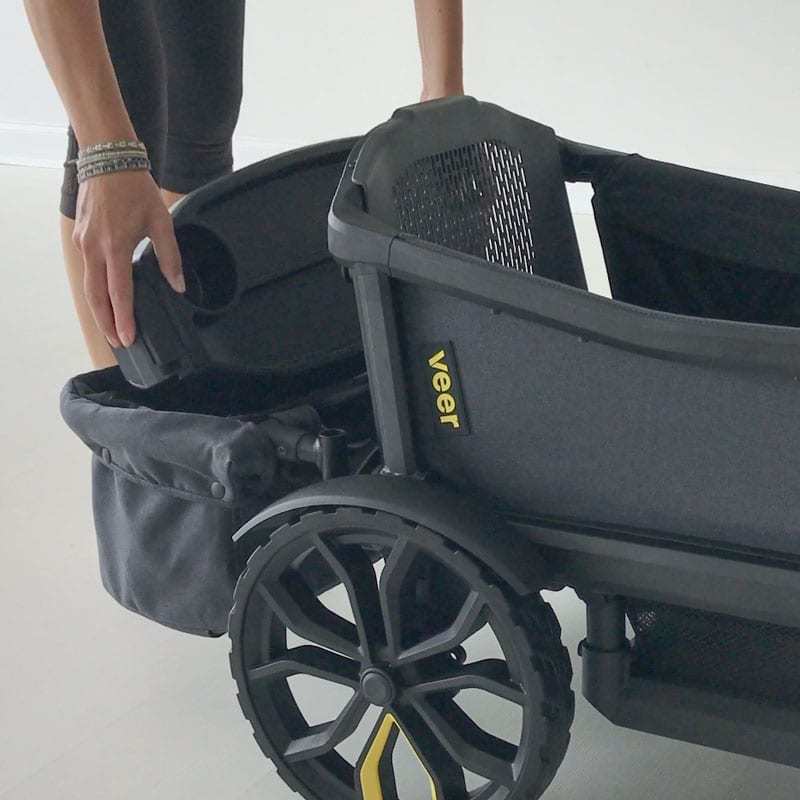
{"x": 179, "y": 66}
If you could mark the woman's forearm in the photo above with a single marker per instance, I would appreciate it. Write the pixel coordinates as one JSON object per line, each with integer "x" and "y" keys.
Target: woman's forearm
{"x": 70, "y": 37}
{"x": 440, "y": 32}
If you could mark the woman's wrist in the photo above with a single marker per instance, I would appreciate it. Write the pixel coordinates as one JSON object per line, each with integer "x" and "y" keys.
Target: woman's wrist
{"x": 94, "y": 123}
{"x": 439, "y": 90}
{"x": 89, "y": 133}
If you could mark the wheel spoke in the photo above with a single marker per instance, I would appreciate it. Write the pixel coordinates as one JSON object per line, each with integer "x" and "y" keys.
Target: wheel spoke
{"x": 392, "y": 584}
{"x": 490, "y": 675}
{"x": 442, "y": 768}
{"x": 375, "y": 776}
{"x": 472, "y": 747}
{"x": 309, "y": 660}
{"x": 354, "y": 568}
{"x": 321, "y": 739}
{"x": 302, "y": 612}
{"x": 470, "y": 618}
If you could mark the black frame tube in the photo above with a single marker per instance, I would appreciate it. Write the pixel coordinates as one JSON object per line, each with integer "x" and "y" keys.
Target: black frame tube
{"x": 384, "y": 369}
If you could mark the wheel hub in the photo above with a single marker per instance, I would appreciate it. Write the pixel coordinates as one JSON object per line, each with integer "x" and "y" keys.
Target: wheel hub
{"x": 377, "y": 687}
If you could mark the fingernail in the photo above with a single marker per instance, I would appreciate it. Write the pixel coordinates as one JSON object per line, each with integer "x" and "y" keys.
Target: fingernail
{"x": 127, "y": 339}
{"x": 179, "y": 283}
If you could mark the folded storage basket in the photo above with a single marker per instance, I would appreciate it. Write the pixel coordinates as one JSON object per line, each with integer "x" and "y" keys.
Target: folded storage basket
{"x": 178, "y": 468}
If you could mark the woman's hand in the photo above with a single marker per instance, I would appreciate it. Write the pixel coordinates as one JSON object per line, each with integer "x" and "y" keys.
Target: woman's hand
{"x": 115, "y": 212}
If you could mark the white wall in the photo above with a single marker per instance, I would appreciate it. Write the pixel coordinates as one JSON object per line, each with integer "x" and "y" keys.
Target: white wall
{"x": 712, "y": 83}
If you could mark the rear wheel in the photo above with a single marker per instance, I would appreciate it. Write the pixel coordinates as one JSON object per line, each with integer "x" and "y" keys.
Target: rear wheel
{"x": 418, "y": 664}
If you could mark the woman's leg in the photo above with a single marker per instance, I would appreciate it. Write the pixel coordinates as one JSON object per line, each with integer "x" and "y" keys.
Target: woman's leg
{"x": 170, "y": 198}
{"x": 203, "y": 52}
{"x": 133, "y": 42}
{"x": 440, "y": 33}
{"x": 100, "y": 353}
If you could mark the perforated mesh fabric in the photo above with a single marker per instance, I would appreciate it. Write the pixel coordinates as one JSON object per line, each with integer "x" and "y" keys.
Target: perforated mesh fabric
{"x": 473, "y": 199}
{"x": 723, "y": 654}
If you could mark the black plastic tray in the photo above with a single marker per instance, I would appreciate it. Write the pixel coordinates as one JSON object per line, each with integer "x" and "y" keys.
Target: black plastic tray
{"x": 263, "y": 294}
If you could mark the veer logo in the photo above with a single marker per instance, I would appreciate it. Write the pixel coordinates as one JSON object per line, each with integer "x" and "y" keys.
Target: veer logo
{"x": 447, "y": 396}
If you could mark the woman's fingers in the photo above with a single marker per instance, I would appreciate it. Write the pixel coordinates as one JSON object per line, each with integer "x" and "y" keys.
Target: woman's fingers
{"x": 95, "y": 288}
{"x": 162, "y": 234}
{"x": 120, "y": 292}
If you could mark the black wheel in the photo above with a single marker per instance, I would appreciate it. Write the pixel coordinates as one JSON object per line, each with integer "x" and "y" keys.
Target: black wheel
{"x": 423, "y": 646}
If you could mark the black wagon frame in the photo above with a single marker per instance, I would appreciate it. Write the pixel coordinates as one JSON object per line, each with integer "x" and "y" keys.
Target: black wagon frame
{"x": 605, "y": 565}
{"x": 524, "y": 435}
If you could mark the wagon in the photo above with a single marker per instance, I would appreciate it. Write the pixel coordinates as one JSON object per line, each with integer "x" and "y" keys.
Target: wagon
{"x": 519, "y": 434}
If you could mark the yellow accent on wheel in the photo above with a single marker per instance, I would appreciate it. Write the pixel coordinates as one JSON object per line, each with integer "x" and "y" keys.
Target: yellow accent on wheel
{"x": 370, "y": 767}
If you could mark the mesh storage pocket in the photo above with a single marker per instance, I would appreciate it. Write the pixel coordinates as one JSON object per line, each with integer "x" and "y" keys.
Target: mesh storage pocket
{"x": 715, "y": 652}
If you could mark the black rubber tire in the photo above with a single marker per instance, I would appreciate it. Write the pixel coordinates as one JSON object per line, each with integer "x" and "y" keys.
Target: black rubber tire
{"x": 536, "y": 631}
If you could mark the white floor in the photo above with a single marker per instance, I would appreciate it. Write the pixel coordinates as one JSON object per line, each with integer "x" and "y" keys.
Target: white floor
{"x": 98, "y": 704}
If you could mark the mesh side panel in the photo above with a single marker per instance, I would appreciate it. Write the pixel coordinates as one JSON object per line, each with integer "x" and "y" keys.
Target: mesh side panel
{"x": 646, "y": 271}
{"x": 723, "y": 654}
{"x": 473, "y": 199}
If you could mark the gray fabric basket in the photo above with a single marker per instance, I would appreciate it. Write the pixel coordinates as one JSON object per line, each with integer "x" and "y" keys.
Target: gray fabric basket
{"x": 171, "y": 486}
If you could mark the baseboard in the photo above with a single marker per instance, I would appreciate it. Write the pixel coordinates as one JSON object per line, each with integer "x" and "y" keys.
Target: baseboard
{"x": 27, "y": 144}
{"x": 32, "y": 145}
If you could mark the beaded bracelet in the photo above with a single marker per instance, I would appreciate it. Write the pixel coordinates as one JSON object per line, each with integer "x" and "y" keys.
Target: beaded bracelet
{"x": 107, "y": 157}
